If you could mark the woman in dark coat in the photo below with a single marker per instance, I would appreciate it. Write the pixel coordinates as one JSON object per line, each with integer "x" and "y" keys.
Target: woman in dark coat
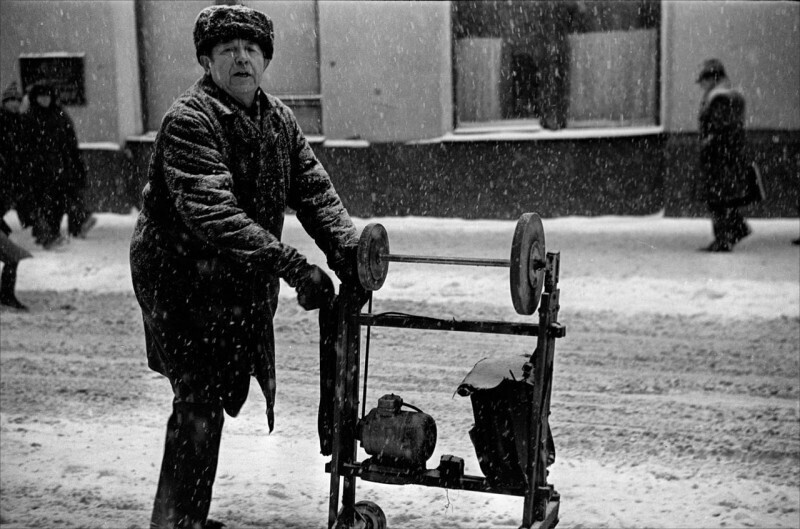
{"x": 722, "y": 156}
{"x": 56, "y": 171}
{"x": 206, "y": 253}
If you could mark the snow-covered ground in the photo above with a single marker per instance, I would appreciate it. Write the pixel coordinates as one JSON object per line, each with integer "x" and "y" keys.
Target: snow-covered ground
{"x": 623, "y": 264}
{"x": 675, "y": 396}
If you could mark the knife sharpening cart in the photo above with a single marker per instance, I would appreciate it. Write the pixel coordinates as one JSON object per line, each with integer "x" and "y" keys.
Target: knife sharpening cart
{"x": 533, "y": 278}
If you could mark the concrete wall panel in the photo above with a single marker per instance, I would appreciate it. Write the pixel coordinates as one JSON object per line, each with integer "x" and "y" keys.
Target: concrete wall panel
{"x": 72, "y": 27}
{"x": 167, "y": 45}
{"x": 386, "y": 69}
{"x": 759, "y": 43}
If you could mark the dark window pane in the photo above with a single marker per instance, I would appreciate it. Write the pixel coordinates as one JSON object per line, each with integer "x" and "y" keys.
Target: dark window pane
{"x": 515, "y": 62}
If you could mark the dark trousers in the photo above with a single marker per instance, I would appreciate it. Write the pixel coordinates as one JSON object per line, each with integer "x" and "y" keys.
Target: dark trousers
{"x": 76, "y": 212}
{"x": 50, "y": 210}
{"x": 728, "y": 224}
{"x": 8, "y": 281}
{"x": 47, "y": 220}
{"x": 189, "y": 466}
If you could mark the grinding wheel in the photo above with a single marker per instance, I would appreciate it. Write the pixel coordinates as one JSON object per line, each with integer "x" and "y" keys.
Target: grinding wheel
{"x": 373, "y": 243}
{"x": 527, "y": 262}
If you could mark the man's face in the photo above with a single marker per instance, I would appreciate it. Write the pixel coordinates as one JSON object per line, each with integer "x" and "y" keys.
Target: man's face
{"x": 44, "y": 100}
{"x": 237, "y": 67}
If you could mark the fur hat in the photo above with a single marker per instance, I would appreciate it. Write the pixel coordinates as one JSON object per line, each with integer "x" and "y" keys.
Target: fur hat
{"x": 711, "y": 69}
{"x": 12, "y": 92}
{"x": 41, "y": 88}
{"x": 221, "y": 23}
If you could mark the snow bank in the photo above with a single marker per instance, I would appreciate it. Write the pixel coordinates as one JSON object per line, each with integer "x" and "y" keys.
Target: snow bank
{"x": 627, "y": 265}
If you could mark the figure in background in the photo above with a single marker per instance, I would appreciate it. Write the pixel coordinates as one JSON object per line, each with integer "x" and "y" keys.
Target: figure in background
{"x": 206, "y": 252}
{"x": 12, "y": 177}
{"x": 10, "y": 256}
{"x": 55, "y": 169}
{"x": 11, "y": 141}
{"x": 723, "y": 163}
{"x": 556, "y": 21}
{"x": 10, "y": 180}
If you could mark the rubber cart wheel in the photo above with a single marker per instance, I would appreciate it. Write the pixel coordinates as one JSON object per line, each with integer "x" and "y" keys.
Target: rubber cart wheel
{"x": 372, "y": 514}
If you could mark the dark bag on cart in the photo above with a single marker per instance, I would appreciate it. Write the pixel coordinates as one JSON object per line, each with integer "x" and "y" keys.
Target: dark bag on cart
{"x": 501, "y": 403}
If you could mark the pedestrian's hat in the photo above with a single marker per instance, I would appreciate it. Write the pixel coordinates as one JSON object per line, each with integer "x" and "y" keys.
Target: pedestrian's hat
{"x": 42, "y": 87}
{"x": 221, "y": 23}
{"x": 711, "y": 69}
{"x": 12, "y": 92}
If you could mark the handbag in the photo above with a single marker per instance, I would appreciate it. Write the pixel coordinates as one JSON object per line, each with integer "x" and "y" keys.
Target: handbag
{"x": 754, "y": 189}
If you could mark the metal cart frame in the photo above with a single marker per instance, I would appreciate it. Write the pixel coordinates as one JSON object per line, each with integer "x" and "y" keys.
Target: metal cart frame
{"x": 541, "y": 501}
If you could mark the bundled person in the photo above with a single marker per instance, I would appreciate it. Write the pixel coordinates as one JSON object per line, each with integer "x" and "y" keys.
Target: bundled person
{"x": 723, "y": 164}
{"x": 11, "y": 138}
{"x": 206, "y": 253}
{"x": 10, "y": 180}
{"x": 55, "y": 169}
{"x": 14, "y": 188}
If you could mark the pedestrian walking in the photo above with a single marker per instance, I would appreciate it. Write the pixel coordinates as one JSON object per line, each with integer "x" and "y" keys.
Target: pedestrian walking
{"x": 11, "y": 147}
{"x": 723, "y": 163}
{"x": 55, "y": 169}
{"x": 206, "y": 253}
{"x": 10, "y": 142}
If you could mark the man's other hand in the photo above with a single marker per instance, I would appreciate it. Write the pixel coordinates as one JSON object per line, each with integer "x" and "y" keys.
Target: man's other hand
{"x": 315, "y": 290}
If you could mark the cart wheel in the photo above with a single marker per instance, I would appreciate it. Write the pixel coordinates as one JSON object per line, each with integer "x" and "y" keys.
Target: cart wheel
{"x": 353, "y": 521}
{"x": 372, "y": 514}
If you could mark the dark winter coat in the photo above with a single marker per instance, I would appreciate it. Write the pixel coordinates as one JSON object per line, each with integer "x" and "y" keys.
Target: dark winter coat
{"x": 53, "y": 167}
{"x": 206, "y": 252}
{"x": 722, "y": 145}
{"x": 11, "y": 147}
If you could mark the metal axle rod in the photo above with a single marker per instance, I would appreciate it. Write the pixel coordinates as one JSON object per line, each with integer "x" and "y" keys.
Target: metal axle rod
{"x": 467, "y": 261}
{"x": 527, "y": 261}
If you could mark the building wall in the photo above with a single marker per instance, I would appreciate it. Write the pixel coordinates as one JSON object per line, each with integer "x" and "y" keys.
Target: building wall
{"x": 167, "y": 48}
{"x": 103, "y": 31}
{"x": 636, "y": 175}
{"x": 385, "y": 76}
{"x": 500, "y": 179}
{"x": 759, "y": 44}
{"x": 171, "y": 66}
{"x": 129, "y": 111}
{"x": 777, "y": 154}
{"x": 386, "y": 70}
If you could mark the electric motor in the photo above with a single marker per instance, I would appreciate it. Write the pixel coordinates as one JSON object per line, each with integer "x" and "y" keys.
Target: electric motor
{"x": 395, "y": 437}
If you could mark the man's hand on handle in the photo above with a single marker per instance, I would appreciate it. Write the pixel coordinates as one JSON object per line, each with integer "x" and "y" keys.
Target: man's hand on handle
{"x": 315, "y": 290}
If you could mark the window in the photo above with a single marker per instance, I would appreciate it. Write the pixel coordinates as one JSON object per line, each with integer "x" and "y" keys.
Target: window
{"x": 555, "y": 64}
{"x": 64, "y": 71}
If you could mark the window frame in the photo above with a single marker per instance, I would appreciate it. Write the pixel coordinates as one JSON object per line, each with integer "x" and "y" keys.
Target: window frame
{"x": 519, "y": 128}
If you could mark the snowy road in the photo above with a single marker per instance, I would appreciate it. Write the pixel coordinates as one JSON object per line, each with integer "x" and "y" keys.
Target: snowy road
{"x": 676, "y": 400}
{"x": 624, "y": 264}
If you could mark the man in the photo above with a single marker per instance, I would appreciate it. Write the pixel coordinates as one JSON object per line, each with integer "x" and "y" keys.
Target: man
{"x": 206, "y": 253}
{"x": 722, "y": 157}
